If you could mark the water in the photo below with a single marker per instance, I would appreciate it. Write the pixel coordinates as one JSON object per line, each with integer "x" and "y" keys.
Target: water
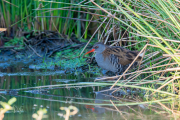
{"x": 35, "y": 89}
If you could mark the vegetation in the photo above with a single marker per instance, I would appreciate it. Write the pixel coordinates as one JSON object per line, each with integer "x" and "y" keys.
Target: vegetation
{"x": 146, "y": 25}
{"x": 17, "y": 42}
{"x": 68, "y": 111}
{"x": 40, "y": 114}
{"x": 6, "y": 107}
{"x": 44, "y": 15}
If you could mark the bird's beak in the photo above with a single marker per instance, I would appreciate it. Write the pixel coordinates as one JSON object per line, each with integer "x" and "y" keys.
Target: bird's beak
{"x": 90, "y": 107}
{"x": 92, "y": 50}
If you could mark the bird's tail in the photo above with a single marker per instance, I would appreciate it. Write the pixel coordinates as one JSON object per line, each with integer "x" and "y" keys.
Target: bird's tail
{"x": 140, "y": 56}
{"x": 142, "y": 53}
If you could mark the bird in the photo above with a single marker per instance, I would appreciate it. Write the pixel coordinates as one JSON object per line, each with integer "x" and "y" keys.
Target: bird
{"x": 114, "y": 58}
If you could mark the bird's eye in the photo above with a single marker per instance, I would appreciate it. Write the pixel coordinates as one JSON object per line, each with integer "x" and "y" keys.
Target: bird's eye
{"x": 96, "y": 47}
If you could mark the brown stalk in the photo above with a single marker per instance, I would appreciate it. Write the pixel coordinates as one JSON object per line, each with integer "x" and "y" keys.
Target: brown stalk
{"x": 155, "y": 60}
{"x": 31, "y": 48}
{"x": 103, "y": 9}
{"x": 131, "y": 76}
{"x": 176, "y": 41}
{"x": 87, "y": 26}
{"x": 123, "y": 39}
{"x": 146, "y": 72}
{"x": 135, "y": 43}
{"x": 141, "y": 59}
{"x": 149, "y": 57}
{"x": 73, "y": 11}
{"x": 144, "y": 48}
{"x": 2, "y": 29}
{"x": 156, "y": 19}
{"x": 135, "y": 72}
{"x": 150, "y": 76}
{"x": 150, "y": 81}
{"x": 135, "y": 111}
{"x": 118, "y": 110}
{"x": 138, "y": 73}
{"x": 159, "y": 47}
{"x": 166, "y": 84}
{"x": 167, "y": 55}
{"x": 168, "y": 63}
{"x": 168, "y": 108}
{"x": 152, "y": 54}
{"x": 161, "y": 62}
{"x": 92, "y": 36}
{"x": 105, "y": 29}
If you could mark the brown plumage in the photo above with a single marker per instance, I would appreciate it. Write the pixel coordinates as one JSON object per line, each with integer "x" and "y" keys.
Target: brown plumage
{"x": 114, "y": 58}
{"x": 125, "y": 56}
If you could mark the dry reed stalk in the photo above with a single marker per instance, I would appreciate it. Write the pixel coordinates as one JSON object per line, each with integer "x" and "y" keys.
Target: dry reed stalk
{"x": 141, "y": 115}
{"x": 176, "y": 41}
{"x": 150, "y": 81}
{"x": 130, "y": 65}
{"x": 131, "y": 76}
{"x": 166, "y": 84}
{"x": 156, "y": 19}
{"x": 135, "y": 43}
{"x": 159, "y": 47}
{"x": 152, "y": 54}
{"x": 167, "y": 55}
{"x": 105, "y": 29}
{"x": 93, "y": 36}
{"x": 123, "y": 39}
{"x": 148, "y": 63}
{"x": 118, "y": 110}
{"x": 114, "y": 77}
{"x": 177, "y": 112}
{"x": 2, "y": 29}
{"x": 149, "y": 57}
{"x": 138, "y": 73}
{"x": 168, "y": 63}
{"x": 108, "y": 34}
{"x": 163, "y": 59}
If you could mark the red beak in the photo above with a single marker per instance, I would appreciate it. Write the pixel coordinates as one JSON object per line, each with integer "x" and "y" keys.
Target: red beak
{"x": 90, "y": 51}
{"x": 90, "y": 107}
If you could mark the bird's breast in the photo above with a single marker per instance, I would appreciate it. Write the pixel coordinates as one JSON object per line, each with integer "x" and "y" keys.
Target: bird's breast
{"x": 104, "y": 62}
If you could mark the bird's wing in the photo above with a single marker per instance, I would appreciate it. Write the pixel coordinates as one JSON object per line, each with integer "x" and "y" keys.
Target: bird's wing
{"x": 120, "y": 54}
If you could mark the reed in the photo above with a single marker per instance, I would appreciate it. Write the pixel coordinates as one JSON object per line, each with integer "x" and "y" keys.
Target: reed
{"x": 44, "y": 15}
{"x": 156, "y": 23}
{"x": 145, "y": 24}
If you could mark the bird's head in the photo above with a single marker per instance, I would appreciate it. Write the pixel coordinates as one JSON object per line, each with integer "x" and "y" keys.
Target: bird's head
{"x": 98, "y": 48}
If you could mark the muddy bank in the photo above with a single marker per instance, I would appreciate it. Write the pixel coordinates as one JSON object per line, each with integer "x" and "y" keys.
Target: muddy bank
{"x": 44, "y": 50}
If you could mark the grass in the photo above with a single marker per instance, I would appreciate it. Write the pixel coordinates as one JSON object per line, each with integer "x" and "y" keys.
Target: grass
{"x": 15, "y": 42}
{"x": 137, "y": 25}
{"x": 141, "y": 25}
{"x": 45, "y": 15}
{"x": 159, "y": 26}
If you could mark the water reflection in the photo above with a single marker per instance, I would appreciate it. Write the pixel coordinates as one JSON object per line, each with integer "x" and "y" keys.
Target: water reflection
{"x": 41, "y": 89}
{"x": 105, "y": 96}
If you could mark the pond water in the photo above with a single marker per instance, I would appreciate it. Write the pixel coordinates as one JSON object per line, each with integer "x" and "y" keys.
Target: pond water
{"x": 35, "y": 89}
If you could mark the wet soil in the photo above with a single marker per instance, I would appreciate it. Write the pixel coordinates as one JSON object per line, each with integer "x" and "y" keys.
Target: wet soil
{"x": 39, "y": 50}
